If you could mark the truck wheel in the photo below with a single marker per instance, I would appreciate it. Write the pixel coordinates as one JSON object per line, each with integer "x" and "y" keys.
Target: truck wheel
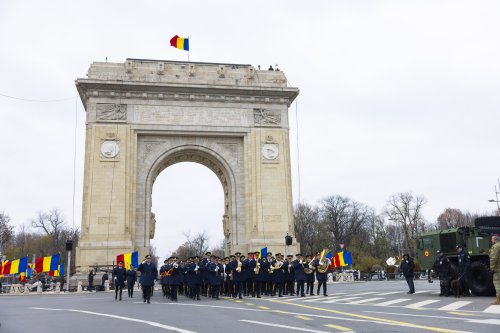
{"x": 479, "y": 279}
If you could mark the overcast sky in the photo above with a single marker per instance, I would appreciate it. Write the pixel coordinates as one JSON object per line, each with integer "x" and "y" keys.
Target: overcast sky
{"x": 395, "y": 96}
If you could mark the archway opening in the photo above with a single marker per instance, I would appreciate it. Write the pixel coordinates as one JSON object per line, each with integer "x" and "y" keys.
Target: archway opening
{"x": 187, "y": 200}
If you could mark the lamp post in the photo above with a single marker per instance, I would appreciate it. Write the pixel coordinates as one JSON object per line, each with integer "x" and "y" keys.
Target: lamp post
{"x": 497, "y": 201}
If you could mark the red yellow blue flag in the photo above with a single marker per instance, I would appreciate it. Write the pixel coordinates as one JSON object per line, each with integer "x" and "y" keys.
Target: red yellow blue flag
{"x": 180, "y": 43}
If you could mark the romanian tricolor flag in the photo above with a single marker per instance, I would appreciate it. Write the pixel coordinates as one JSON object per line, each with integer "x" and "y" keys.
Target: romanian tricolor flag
{"x": 58, "y": 272}
{"x": 19, "y": 265}
{"x": 180, "y": 43}
{"x": 47, "y": 264}
{"x": 128, "y": 259}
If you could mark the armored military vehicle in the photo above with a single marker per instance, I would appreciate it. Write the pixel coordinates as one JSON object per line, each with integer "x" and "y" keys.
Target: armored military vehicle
{"x": 476, "y": 241}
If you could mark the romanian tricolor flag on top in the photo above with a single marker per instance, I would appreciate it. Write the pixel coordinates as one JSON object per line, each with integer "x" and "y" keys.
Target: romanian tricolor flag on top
{"x": 47, "y": 264}
{"x": 180, "y": 43}
{"x": 128, "y": 259}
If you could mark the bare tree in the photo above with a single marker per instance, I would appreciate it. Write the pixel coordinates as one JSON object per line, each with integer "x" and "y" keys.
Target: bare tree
{"x": 310, "y": 232}
{"x": 451, "y": 218}
{"x": 406, "y": 210}
{"x": 52, "y": 223}
{"x": 194, "y": 246}
{"x": 6, "y": 232}
{"x": 344, "y": 218}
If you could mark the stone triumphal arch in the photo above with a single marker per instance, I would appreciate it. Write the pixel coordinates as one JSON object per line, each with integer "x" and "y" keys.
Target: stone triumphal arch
{"x": 144, "y": 115}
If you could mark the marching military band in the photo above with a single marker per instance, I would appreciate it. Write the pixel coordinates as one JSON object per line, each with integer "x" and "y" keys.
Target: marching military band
{"x": 238, "y": 276}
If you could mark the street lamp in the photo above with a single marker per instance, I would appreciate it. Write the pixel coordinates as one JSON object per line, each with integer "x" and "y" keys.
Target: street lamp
{"x": 497, "y": 201}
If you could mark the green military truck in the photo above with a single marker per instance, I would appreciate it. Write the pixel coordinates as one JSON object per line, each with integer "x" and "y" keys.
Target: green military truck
{"x": 477, "y": 242}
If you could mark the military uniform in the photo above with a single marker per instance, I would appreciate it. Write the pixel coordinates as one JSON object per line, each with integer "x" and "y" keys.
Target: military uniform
{"x": 149, "y": 274}
{"x": 463, "y": 268}
{"x": 407, "y": 267}
{"x": 495, "y": 267}
{"x": 309, "y": 269}
{"x": 119, "y": 277}
{"x": 299, "y": 274}
{"x": 442, "y": 266}
{"x": 131, "y": 279}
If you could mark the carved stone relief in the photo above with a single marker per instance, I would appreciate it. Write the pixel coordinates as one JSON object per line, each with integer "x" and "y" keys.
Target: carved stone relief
{"x": 265, "y": 117}
{"x": 108, "y": 111}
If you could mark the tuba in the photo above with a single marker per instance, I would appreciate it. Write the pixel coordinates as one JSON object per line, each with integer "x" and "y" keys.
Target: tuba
{"x": 324, "y": 263}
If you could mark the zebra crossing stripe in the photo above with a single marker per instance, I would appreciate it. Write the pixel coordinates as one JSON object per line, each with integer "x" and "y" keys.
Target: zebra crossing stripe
{"x": 366, "y": 300}
{"x": 419, "y": 305}
{"x": 322, "y": 300}
{"x": 340, "y": 300}
{"x": 455, "y": 305}
{"x": 394, "y": 301}
{"x": 492, "y": 309}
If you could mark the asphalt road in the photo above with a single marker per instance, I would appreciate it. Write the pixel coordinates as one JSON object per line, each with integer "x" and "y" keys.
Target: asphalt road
{"x": 373, "y": 306}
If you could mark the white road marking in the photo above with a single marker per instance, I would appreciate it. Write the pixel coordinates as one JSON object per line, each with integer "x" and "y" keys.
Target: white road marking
{"x": 421, "y": 304}
{"x": 151, "y": 323}
{"x": 394, "y": 301}
{"x": 365, "y": 293}
{"x": 455, "y": 305}
{"x": 423, "y": 291}
{"x": 322, "y": 300}
{"x": 492, "y": 309}
{"x": 366, "y": 300}
{"x": 340, "y": 300}
{"x": 285, "y": 326}
{"x": 485, "y": 321}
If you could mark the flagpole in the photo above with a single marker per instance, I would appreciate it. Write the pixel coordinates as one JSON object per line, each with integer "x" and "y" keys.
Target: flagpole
{"x": 188, "y": 48}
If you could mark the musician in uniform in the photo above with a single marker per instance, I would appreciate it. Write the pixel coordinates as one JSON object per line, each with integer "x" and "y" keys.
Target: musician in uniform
{"x": 309, "y": 269}
{"x": 239, "y": 275}
{"x": 149, "y": 274}
{"x": 278, "y": 275}
{"x": 175, "y": 278}
{"x": 267, "y": 281}
{"x": 194, "y": 272}
{"x": 289, "y": 276}
{"x": 321, "y": 265}
{"x": 164, "y": 277}
{"x": 249, "y": 266}
{"x": 230, "y": 275}
{"x": 299, "y": 273}
{"x": 204, "y": 277}
{"x": 214, "y": 270}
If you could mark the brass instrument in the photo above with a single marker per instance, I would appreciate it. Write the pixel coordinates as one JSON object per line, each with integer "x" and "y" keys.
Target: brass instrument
{"x": 324, "y": 262}
{"x": 257, "y": 268}
{"x": 310, "y": 268}
{"x": 277, "y": 265}
{"x": 238, "y": 269}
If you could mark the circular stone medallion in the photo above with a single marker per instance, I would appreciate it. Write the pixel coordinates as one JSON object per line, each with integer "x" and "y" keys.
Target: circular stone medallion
{"x": 270, "y": 151}
{"x": 110, "y": 148}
